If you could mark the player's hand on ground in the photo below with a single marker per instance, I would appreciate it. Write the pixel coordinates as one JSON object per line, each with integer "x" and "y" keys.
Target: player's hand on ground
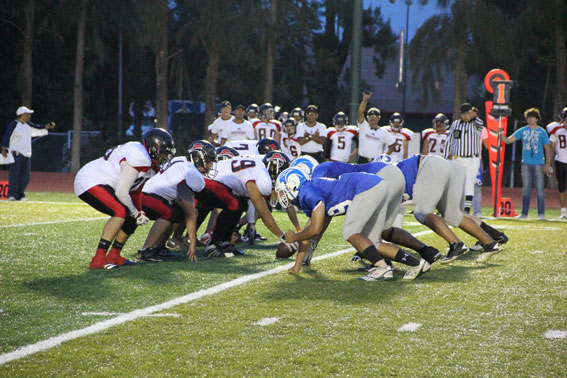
{"x": 294, "y": 269}
{"x": 191, "y": 252}
{"x": 141, "y": 218}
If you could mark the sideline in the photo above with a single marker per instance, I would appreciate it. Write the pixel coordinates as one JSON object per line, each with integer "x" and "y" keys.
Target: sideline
{"x": 144, "y": 312}
{"x": 53, "y": 222}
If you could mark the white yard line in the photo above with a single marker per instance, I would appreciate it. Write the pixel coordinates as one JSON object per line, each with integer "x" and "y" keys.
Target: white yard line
{"x": 267, "y": 321}
{"x": 143, "y": 312}
{"x": 48, "y": 202}
{"x": 409, "y": 327}
{"x": 106, "y": 313}
{"x": 53, "y": 222}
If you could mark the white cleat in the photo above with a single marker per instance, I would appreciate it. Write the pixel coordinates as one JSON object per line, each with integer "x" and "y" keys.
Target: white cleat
{"x": 415, "y": 271}
{"x": 379, "y": 273}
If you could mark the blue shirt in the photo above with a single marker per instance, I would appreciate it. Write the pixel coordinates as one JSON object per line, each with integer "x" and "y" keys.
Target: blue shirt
{"x": 409, "y": 168}
{"x": 336, "y": 195}
{"x": 533, "y": 140}
{"x": 332, "y": 169}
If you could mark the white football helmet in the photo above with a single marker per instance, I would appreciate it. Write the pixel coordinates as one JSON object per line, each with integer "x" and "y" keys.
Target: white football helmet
{"x": 384, "y": 158}
{"x": 288, "y": 184}
{"x": 306, "y": 163}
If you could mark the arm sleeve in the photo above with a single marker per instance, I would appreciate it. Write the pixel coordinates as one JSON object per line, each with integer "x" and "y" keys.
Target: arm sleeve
{"x": 128, "y": 175}
{"x": 8, "y": 134}
{"x": 478, "y": 123}
{"x": 36, "y": 125}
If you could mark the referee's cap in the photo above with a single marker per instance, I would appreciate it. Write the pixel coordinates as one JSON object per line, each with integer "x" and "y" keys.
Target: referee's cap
{"x": 465, "y": 107}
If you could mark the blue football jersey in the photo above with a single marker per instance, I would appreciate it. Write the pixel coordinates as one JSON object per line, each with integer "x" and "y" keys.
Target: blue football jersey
{"x": 336, "y": 194}
{"x": 409, "y": 168}
{"x": 332, "y": 169}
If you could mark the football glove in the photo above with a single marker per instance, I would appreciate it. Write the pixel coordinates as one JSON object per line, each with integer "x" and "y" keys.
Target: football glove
{"x": 141, "y": 218}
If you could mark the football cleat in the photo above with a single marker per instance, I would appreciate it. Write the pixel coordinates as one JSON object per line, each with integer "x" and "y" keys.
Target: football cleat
{"x": 455, "y": 251}
{"x": 98, "y": 262}
{"x": 111, "y": 266}
{"x": 490, "y": 250}
{"x": 430, "y": 254}
{"x": 378, "y": 273}
{"x": 165, "y": 253}
{"x": 415, "y": 271}
{"x": 230, "y": 250}
{"x": 212, "y": 251}
{"x": 206, "y": 237}
{"x": 148, "y": 254}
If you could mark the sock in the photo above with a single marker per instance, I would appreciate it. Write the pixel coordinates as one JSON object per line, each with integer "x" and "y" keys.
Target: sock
{"x": 116, "y": 248}
{"x": 102, "y": 247}
{"x": 371, "y": 254}
{"x": 405, "y": 258}
{"x": 468, "y": 204}
{"x": 563, "y": 211}
{"x": 494, "y": 233}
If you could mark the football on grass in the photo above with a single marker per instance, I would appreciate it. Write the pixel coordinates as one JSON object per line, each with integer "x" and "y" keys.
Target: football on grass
{"x": 283, "y": 251}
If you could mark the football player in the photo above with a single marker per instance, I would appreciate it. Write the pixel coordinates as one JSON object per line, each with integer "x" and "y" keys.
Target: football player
{"x": 297, "y": 115}
{"x": 240, "y": 179}
{"x": 558, "y": 139}
{"x": 401, "y": 135}
{"x": 238, "y": 128}
{"x": 435, "y": 183}
{"x": 363, "y": 199}
{"x": 340, "y": 139}
{"x": 169, "y": 198}
{"x": 267, "y": 127}
{"x": 395, "y": 181}
{"x": 434, "y": 138}
{"x": 373, "y": 140}
{"x": 244, "y": 147}
{"x": 290, "y": 143}
{"x": 252, "y": 113}
{"x": 112, "y": 185}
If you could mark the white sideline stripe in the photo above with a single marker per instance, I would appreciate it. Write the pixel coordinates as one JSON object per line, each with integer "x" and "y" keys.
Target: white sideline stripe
{"x": 555, "y": 334}
{"x": 53, "y": 222}
{"x": 409, "y": 327}
{"x": 510, "y": 227}
{"x": 140, "y": 313}
{"x": 267, "y": 321}
{"x": 48, "y": 202}
{"x": 537, "y": 252}
{"x": 106, "y": 313}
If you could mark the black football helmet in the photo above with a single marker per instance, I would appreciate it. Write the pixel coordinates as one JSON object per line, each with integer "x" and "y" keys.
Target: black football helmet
{"x": 160, "y": 145}
{"x": 563, "y": 115}
{"x": 226, "y": 153}
{"x": 266, "y": 145}
{"x": 275, "y": 161}
{"x": 266, "y": 111}
{"x": 202, "y": 154}
{"x": 340, "y": 120}
{"x": 252, "y": 108}
{"x": 396, "y": 121}
{"x": 297, "y": 113}
{"x": 283, "y": 117}
{"x": 441, "y": 119}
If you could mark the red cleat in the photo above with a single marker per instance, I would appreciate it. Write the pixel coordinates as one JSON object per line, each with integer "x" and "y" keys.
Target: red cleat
{"x": 98, "y": 262}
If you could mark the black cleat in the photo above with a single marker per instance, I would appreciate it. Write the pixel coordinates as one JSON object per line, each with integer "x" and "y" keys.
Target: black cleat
{"x": 430, "y": 254}
{"x": 228, "y": 248}
{"x": 148, "y": 254}
{"x": 455, "y": 251}
{"x": 165, "y": 254}
{"x": 502, "y": 239}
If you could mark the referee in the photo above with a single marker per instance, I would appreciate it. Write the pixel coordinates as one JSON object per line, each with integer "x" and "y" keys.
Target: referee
{"x": 463, "y": 146}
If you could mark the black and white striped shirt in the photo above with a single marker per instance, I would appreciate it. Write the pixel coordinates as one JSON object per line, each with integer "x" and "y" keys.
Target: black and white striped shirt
{"x": 464, "y": 138}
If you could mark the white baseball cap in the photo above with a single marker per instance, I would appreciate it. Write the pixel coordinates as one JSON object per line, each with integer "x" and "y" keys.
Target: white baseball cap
{"x": 23, "y": 110}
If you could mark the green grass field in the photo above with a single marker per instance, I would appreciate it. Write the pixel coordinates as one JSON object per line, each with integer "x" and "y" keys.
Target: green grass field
{"x": 470, "y": 320}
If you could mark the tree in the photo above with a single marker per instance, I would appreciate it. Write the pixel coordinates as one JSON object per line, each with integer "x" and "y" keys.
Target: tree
{"x": 78, "y": 88}
{"x": 271, "y": 52}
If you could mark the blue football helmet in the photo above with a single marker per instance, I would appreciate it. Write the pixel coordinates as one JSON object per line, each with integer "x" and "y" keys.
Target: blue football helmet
{"x": 384, "y": 158}
{"x": 226, "y": 153}
{"x": 288, "y": 184}
{"x": 306, "y": 163}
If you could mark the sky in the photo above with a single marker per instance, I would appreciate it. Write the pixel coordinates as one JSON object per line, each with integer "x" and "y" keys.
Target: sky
{"x": 396, "y": 13}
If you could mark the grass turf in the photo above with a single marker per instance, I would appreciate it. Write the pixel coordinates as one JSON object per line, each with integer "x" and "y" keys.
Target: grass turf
{"x": 476, "y": 320}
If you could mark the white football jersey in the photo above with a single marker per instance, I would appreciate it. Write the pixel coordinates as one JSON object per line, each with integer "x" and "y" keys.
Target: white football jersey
{"x": 400, "y": 137}
{"x": 106, "y": 170}
{"x": 290, "y": 146}
{"x": 237, "y": 172}
{"x": 436, "y": 141}
{"x": 267, "y": 129}
{"x": 372, "y": 142}
{"x": 559, "y": 137}
{"x": 311, "y": 146}
{"x": 178, "y": 171}
{"x": 238, "y": 131}
{"x": 341, "y": 142}
{"x": 244, "y": 147}
{"x": 218, "y": 126}
{"x": 552, "y": 126}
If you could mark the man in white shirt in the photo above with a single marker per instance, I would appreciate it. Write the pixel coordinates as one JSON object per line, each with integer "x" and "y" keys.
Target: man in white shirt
{"x": 373, "y": 140}
{"x": 238, "y": 128}
{"x": 311, "y": 134}
{"x": 17, "y": 141}
{"x": 219, "y": 124}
